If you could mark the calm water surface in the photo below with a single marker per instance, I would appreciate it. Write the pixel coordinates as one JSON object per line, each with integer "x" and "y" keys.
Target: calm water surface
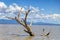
{"x": 15, "y": 32}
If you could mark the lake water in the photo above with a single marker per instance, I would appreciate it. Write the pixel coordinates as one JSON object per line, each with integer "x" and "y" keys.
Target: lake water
{"x": 15, "y": 32}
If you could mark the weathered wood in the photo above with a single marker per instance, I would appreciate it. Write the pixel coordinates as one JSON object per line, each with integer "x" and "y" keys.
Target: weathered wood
{"x": 26, "y": 26}
{"x": 28, "y": 29}
{"x": 24, "y": 23}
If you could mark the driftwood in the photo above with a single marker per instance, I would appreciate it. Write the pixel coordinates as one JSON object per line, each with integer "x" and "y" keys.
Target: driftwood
{"x": 24, "y": 22}
{"x": 43, "y": 34}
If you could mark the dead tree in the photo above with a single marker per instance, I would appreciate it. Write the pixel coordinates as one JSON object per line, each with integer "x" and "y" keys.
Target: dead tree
{"x": 43, "y": 34}
{"x": 24, "y": 22}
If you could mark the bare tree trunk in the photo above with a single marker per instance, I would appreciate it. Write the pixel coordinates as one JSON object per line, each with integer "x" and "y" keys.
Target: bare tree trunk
{"x": 28, "y": 29}
{"x": 24, "y": 23}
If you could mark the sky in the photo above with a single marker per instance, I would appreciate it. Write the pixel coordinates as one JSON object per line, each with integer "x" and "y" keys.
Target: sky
{"x": 47, "y": 11}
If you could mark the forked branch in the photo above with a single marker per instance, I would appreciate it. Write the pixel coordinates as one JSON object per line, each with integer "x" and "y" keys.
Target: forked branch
{"x": 47, "y": 34}
{"x": 31, "y": 23}
{"x": 25, "y": 19}
{"x": 28, "y": 29}
{"x": 19, "y": 13}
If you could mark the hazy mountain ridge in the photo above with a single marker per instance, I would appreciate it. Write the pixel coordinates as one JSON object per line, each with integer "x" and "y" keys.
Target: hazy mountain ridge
{"x": 3, "y": 21}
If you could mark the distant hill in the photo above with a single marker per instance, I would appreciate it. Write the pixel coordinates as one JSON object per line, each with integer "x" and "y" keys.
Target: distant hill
{"x": 3, "y": 21}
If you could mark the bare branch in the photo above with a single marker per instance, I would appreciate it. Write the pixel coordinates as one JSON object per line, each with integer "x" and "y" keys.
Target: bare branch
{"x": 47, "y": 34}
{"x": 43, "y": 29}
{"x": 23, "y": 22}
{"x": 31, "y": 23}
{"x": 19, "y": 21}
{"x": 26, "y": 31}
{"x": 25, "y": 19}
{"x": 43, "y": 34}
{"x": 19, "y": 13}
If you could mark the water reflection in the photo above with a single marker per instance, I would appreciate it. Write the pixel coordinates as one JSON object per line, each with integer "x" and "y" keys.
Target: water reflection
{"x": 24, "y": 37}
{"x": 12, "y": 32}
{"x": 29, "y": 38}
{"x": 45, "y": 38}
{"x": 20, "y": 37}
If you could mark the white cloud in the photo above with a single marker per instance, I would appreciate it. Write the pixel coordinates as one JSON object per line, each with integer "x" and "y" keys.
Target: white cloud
{"x": 2, "y": 5}
{"x": 34, "y": 9}
{"x": 14, "y": 8}
{"x": 35, "y": 12}
{"x": 53, "y": 17}
{"x": 10, "y": 10}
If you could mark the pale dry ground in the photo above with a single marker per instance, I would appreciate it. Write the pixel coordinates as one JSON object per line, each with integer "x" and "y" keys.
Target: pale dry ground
{"x": 15, "y": 32}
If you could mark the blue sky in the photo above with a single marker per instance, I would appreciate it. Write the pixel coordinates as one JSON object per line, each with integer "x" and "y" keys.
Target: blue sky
{"x": 49, "y": 5}
{"x": 48, "y": 10}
